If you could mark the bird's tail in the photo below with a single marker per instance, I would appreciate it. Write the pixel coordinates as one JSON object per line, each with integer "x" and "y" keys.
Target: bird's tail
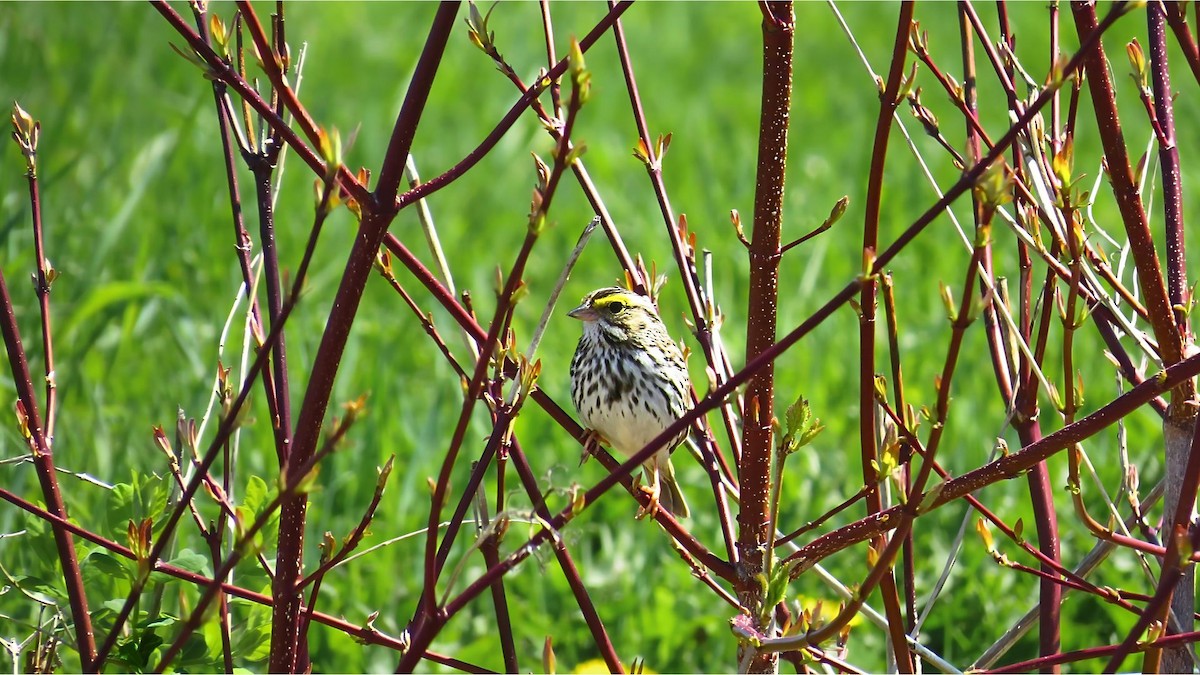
{"x": 670, "y": 497}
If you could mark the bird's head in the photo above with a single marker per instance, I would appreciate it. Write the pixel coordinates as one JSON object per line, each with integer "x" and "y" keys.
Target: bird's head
{"x": 617, "y": 313}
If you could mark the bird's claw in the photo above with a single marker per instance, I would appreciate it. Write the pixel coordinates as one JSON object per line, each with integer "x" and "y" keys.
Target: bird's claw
{"x": 652, "y": 507}
{"x": 591, "y": 442}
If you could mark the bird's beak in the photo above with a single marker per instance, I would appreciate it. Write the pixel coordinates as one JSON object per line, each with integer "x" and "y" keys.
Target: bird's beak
{"x": 583, "y": 313}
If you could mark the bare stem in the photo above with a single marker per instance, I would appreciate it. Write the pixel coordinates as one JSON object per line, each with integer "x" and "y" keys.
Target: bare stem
{"x": 755, "y": 529}
{"x": 39, "y": 438}
{"x": 868, "y": 302}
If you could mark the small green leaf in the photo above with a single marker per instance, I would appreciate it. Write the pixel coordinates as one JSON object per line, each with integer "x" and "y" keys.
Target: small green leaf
{"x": 994, "y": 188}
{"x": 800, "y": 427}
{"x": 109, "y": 565}
{"x": 838, "y": 210}
{"x": 575, "y": 153}
{"x": 257, "y": 495}
{"x": 581, "y": 77}
{"x": 1137, "y": 62}
{"x": 192, "y": 58}
{"x": 931, "y": 497}
{"x": 948, "y": 301}
{"x": 192, "y": 561}
{"x": 778, "y": 585}
{"x": 1061, "y": 164}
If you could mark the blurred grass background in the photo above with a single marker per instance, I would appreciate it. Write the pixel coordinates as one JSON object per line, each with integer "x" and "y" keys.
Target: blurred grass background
{"x": 137, "y": 220}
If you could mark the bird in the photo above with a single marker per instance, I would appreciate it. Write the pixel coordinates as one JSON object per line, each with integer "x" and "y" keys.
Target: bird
{"x": 629, "y": 382}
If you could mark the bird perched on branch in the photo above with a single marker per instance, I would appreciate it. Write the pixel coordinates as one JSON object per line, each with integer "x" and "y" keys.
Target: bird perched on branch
{"x": 629, "y": 382}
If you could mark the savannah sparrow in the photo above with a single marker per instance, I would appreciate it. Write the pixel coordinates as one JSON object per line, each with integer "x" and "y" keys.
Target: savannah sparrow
{"x": 629, "y": 383}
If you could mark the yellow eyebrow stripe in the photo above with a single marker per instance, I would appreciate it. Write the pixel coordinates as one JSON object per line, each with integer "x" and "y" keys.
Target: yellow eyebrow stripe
{"x": 610, "y": 299}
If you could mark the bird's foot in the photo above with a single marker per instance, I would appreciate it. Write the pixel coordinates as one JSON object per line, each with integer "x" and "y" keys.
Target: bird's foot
{"x": 592, "y": 440}
{"x": 652, "y": 507}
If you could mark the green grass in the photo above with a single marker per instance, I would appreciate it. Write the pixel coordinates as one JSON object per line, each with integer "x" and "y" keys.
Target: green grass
{"x": 137, "y": 221}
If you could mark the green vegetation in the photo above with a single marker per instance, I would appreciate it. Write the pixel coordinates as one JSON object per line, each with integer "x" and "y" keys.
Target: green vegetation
{"x": 138, "y": 225}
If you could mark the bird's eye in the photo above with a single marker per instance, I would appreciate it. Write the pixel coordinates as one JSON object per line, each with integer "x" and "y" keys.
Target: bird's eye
{"x": 615, "y": 307}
